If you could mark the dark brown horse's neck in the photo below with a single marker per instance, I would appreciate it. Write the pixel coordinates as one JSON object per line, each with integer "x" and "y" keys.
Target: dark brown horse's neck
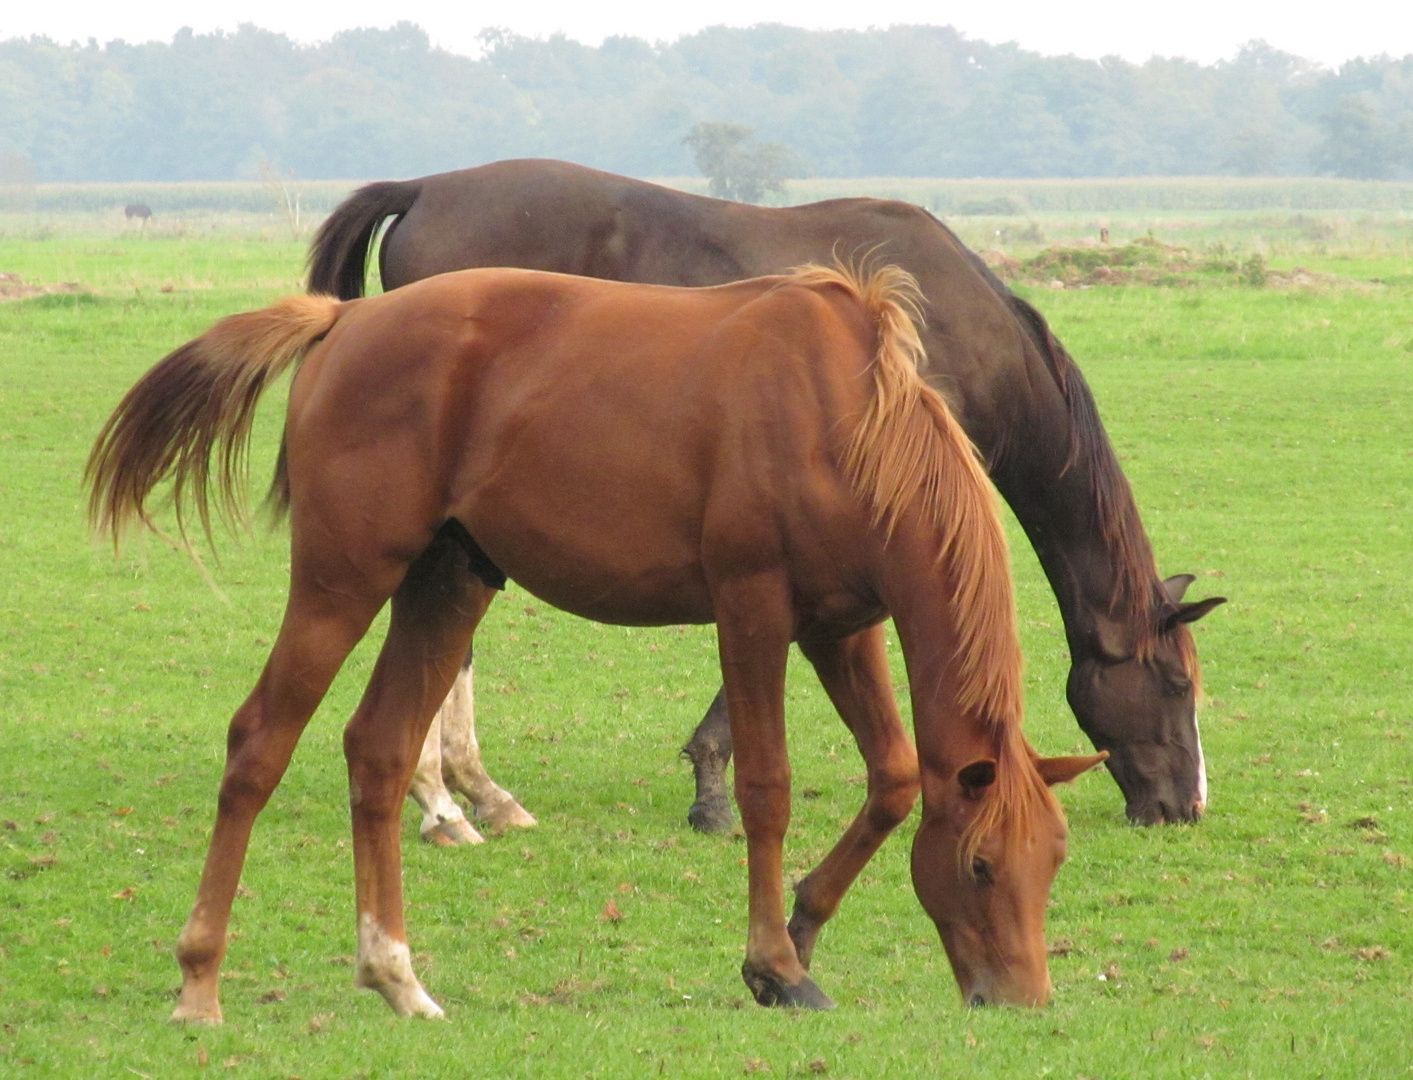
{"x": 1096, "y": 578}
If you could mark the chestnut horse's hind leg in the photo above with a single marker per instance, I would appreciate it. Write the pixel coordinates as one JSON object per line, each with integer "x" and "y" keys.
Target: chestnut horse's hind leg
{"x": 434, "y": 613}
{"x": 462, "y": 770}
{"x": 709, "y": 751}
{"x": 754, "y": 627}
{"x": 855, "y": 675}
{"x": 321, "y": 625}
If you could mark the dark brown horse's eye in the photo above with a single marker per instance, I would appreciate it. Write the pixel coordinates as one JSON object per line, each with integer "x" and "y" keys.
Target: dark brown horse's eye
{"x": 981, "y": 870}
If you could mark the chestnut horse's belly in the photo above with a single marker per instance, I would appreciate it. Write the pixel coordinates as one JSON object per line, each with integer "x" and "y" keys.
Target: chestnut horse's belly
{"x": 608, "y": 536}
{"x": 648, "y": 543}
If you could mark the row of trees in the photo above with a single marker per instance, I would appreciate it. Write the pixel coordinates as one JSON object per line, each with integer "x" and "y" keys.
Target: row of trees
{"x": 914, "y": 100}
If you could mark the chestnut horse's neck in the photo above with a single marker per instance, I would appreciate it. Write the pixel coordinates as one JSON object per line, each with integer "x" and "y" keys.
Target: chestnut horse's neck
{"x": 934, "y": 616}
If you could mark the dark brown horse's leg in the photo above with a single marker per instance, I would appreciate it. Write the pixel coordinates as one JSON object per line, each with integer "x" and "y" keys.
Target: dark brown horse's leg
{"x": 443, "y": 821}
{"x": 709, "y": 751}
{"x": 462, "y": 768}
{"x": 855, "y": 675}
{"x": 320, "y": 626}
{"x": 754, "y": 625}
{"x": 434, "y": 613}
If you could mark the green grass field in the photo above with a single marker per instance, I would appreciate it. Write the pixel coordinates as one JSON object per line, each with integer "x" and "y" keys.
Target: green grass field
{"x": 1267, "y": 436}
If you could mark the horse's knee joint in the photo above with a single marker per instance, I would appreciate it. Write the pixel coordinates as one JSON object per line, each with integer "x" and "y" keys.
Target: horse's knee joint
{"x": 242, "y": 792}
{"x": 762, "y": 802}
{"x": 891, "y": 803}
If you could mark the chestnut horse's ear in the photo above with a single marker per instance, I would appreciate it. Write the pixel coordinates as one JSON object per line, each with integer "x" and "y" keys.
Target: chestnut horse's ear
{"x": 1061, "y": 770}
{"x": 1187, "y": 613}
{"x": 977, "y": 777}
{"x": 1175, "y": 586}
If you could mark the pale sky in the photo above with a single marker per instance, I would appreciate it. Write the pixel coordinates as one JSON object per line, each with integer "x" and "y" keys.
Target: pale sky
{"x": 1203, "y": 30}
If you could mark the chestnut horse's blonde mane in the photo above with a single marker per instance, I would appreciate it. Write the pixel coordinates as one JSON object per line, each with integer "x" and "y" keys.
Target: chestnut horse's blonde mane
{"x": 910, "y": 455}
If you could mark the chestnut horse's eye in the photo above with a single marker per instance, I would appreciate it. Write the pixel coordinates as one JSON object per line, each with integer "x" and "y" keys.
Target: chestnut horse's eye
{"x": 981, "y": 870}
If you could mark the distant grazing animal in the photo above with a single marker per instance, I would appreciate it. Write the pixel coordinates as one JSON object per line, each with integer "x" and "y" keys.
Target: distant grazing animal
{"x": 760, "y": 455}
{"x": 1134, "y": 680}
{"x": 137, "y": 210}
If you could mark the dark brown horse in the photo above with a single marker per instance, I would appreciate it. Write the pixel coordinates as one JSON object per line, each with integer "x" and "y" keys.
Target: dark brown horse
{"x": 760, "y": 455}
{"x": 1133, "y": 681}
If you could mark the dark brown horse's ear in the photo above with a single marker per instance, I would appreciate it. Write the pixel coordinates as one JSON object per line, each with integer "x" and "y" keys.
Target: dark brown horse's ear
{"x": 1061, "y": 770}
{"x": 977, "y": 777}
{"x": 1176, "y": 586}
{"x": 1187, "y": 613}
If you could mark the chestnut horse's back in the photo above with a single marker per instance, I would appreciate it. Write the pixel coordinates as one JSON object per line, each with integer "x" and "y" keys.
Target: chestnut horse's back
{"x": 517, "y": 401}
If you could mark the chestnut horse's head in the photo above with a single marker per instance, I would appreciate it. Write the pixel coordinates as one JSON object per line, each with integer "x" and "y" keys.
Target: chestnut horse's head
{"x": 991, "y": 839}
{"x": 1138, "y": 700}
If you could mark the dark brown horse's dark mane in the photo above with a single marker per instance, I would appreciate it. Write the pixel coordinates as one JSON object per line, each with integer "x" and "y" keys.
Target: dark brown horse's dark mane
{"x": 1138, "y": 596}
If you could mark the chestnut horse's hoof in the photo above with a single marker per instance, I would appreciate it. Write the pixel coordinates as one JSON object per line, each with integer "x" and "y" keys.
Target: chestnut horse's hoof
{"x": 770, "y": 990}
{"x": 206, "y": 1013}
{"x": 711, "y": 815}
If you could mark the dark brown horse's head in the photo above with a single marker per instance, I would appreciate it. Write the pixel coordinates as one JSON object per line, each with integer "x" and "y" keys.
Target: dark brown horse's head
{"x": 1139, "y": 702}
{"x": 991, "y": 840}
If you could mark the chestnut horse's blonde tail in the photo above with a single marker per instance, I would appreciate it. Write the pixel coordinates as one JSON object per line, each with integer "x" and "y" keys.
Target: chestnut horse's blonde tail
{"x": 190, "y": 418}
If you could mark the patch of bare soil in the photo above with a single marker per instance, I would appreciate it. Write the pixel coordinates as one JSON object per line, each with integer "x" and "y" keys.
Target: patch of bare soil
{"x": 1146, "y": 261}
{"x": 13, "y": 287}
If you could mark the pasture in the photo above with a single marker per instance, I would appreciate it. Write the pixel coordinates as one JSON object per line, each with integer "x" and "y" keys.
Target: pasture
{"x": 1266, "y": 434}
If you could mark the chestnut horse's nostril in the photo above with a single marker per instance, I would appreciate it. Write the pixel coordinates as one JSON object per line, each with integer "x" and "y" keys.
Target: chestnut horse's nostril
{"x": 976, "y": 1001}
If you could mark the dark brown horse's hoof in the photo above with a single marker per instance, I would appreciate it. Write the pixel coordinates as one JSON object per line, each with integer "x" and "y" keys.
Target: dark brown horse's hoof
{"x": 711, "y": 815}
{"x": 770, "y": 991}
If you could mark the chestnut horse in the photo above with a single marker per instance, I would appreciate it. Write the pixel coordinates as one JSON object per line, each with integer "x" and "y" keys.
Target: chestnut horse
{"x": 1133, "y": 682}
{"x": 760, "y": 455}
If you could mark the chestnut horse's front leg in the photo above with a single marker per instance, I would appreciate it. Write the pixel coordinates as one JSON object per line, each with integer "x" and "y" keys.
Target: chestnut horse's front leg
{"x": 434, "y": 613}
{"x": 855, "y": 674}
{"x": 754, "y": 627}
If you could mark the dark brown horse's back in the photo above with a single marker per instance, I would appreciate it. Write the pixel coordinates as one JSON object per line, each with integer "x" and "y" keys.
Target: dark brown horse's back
{"x": 1020, "y": 398}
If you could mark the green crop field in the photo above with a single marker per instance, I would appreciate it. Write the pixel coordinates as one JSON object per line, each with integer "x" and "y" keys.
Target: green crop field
{"x": 1267, "y": 435}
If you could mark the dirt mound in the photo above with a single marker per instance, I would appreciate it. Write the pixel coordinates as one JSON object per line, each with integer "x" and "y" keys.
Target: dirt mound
{"x": 13, "y": 287}
{"x": 1006, "y": 267}
{"x": 1145, "y": 261}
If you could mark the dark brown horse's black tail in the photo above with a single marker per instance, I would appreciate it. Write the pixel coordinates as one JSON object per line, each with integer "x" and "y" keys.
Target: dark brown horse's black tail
{"x": 338, "y": 258}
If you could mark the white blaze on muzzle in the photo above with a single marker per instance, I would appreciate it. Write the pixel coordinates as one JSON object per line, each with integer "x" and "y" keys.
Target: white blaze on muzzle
{"x": 1201, "y": 764}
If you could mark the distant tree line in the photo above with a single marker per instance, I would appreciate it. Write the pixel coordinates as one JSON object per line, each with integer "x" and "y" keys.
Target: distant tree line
{"x": 907, "y": 101}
